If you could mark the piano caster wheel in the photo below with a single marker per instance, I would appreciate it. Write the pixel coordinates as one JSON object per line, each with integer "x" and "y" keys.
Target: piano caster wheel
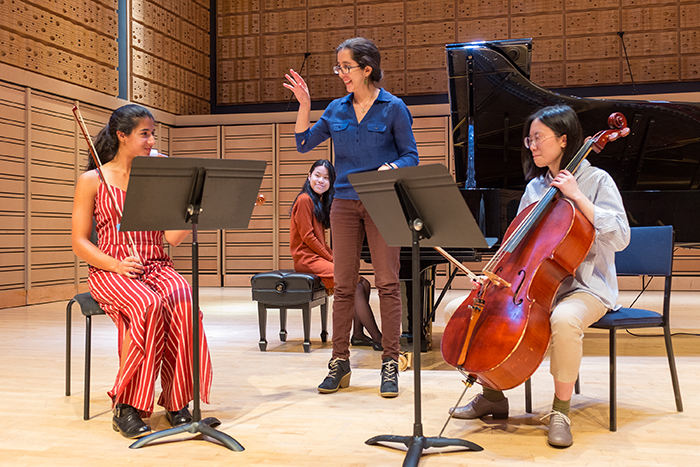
{"x": 324, "y": 337}
{"x": 283, "y": 335}
{"x": 263, "y": 345}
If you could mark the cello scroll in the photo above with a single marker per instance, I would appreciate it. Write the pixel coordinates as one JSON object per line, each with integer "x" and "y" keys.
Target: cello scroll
{"x": 618, "y": 124}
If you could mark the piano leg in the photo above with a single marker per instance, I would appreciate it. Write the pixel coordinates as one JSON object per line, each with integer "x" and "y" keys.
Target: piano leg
{"x": 427, "y": 292}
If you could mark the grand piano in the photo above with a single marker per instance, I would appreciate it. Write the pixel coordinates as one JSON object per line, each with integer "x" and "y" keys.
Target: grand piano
{"x": 656, "y": 167}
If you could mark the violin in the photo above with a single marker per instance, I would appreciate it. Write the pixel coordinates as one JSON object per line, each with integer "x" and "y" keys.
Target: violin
{"x": 500, "y": 334}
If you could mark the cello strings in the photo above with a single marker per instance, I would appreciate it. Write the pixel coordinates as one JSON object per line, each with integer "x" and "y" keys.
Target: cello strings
{"x": 536, "y": 212}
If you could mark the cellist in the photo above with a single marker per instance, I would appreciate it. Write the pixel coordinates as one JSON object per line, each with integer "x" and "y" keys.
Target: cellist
{"x": 552, "y": 136}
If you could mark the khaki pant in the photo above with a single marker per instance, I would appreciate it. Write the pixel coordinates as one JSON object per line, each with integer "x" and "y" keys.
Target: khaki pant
{"x": 569, "y": 320}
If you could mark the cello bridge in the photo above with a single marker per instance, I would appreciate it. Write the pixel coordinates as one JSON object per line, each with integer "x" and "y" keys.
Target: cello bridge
{"x": 496, "y": 279}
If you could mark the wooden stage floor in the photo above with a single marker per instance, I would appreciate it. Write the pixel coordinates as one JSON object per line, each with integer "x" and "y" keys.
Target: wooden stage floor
{"x": 268, "y": 400}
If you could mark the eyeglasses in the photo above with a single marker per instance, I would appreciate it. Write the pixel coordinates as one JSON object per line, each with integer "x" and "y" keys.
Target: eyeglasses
{"x": 343, "y": 69}
{"x": 535, "y": 141}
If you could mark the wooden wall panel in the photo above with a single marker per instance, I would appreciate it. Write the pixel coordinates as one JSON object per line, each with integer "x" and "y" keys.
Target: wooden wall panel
{"x": 75, "y": 43}
{"x": 52, "y": 171}
{"x": 13, "y": 247}
{"x": 249, "y": 251}
{"x": 198, "y": 142}
{"x": 569, "y": 37}
{"x": 170, "y": 55}
{"x": 41, "y": 159}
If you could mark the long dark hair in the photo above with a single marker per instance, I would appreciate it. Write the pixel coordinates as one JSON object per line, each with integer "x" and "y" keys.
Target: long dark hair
{"x": 365, "y": 53}
{"x": 322, "y": 203}
{"x": 562, "y": 120}
{"x": 124, "y": 119}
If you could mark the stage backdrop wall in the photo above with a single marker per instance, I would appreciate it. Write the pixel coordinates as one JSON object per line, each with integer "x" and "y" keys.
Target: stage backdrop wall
{"x": 575, "y": 42}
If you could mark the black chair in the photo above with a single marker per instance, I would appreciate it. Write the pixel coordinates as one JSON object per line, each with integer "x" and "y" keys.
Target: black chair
{"x": 89, "y": 308}
{"x": 649, "y": 253}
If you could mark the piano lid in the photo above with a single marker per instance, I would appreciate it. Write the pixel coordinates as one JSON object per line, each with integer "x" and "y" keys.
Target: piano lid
{"x": 491, "y": 97}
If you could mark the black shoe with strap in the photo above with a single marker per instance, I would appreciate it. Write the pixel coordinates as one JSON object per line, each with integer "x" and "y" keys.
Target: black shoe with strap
{"x": 127, "y": 421}
{"x": 179, "y": 417}
{"x": 390, "y": 378}
{"x": 338, "y": 376}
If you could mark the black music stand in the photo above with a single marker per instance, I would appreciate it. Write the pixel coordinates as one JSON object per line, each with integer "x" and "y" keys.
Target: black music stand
{"x": 171, "y": 193}
{"x": 426, "y": 197}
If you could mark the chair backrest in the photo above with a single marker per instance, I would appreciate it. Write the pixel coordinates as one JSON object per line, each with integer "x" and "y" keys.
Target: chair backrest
{"x": 650, "y": 252}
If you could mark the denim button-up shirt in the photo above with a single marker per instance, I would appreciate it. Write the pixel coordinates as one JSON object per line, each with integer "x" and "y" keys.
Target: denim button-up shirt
{"x": 384, "y": 135}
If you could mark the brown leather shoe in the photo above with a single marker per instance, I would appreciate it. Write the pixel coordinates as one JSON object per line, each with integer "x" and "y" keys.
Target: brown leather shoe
{"x": 480, "y": 407}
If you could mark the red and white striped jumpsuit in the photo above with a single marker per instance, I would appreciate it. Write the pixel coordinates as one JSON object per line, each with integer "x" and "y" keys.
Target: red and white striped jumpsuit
{"x": 155, "y": 310}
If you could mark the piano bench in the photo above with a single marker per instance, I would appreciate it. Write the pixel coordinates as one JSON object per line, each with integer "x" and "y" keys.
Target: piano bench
{"x": 285, "y": 289}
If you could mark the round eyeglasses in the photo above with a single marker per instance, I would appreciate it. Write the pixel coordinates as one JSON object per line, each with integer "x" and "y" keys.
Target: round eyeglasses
{"x": 343, "y": 69}
{"x": 535, "y": 141}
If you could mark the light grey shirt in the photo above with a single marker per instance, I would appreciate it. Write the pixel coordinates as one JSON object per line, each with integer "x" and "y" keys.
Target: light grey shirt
{"x": 596, "y": 275}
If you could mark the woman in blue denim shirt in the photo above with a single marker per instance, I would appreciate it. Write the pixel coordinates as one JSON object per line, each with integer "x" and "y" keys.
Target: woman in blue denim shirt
{"x": 370, "y": 130}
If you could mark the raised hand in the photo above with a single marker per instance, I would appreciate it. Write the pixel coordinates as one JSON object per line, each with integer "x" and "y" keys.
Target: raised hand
{"x": 298, "y": 86}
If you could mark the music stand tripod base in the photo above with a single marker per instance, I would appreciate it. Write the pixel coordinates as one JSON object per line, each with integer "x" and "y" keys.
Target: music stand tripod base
{"x": 205, "y": 427}
{"x": 416, "y": 445}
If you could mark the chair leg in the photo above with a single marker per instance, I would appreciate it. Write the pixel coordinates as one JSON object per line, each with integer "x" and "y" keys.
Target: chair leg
{"x": 86, "y": 390}
{"x": 528, "y": 396}
{"x": 577, "y": 386}
{"x": 324, "y": 321}
{"x": 613, "y": 380}
{"x": 262, "y": 324}
{"x": 69, "y": 310}
{"x": 283, "y": 324}
{"x": 672, "y": 367}
{"x": 306, "y": 318}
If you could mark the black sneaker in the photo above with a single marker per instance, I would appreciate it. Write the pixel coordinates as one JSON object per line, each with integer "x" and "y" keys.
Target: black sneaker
{"x": 390, "y": 378}
{"x": 338, "y": 376}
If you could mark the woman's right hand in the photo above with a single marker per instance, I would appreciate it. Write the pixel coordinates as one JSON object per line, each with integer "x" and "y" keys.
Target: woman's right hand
{"x": 298, "y": 86}
{"x": 130, "y": 267}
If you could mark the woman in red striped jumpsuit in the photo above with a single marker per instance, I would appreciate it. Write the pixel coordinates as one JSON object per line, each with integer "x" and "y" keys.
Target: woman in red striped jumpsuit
{"x": 150, "y": 303}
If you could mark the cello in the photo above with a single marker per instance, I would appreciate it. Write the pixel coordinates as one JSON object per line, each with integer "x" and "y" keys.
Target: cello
{"x": 500, "y": 334}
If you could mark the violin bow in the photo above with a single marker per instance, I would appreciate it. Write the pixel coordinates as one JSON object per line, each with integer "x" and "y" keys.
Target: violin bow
{"x": 98, "y": 164}
{"x": 452, "y": 260}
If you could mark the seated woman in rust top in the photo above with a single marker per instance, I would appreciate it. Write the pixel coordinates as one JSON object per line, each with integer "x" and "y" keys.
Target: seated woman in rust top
{"x": 310, "y": 215}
